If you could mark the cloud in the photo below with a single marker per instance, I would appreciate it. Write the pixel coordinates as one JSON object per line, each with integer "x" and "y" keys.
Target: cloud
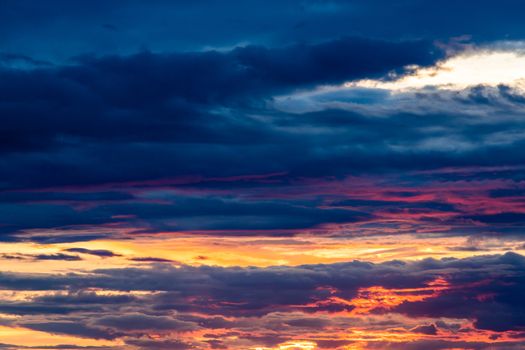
{"x": 72, "y": 329}
{"x": 444, "y": 345}
{"x": 57, "y": 256}
{"x": 476, "y": 288}
{"x": 151, "y": 260}
{"x": 103, "y": 253}
{"x": 158, "y": 24}
{"x": 197, "y": 149}
{"x": 137, "y": 322}
{"x": 162, "y": 344}
{"x": 459, "y": 200}
{"x": 425, "y": 329}
{"x": 209, "y": 126}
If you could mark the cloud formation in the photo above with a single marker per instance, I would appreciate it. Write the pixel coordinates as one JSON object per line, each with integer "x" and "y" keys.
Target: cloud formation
{"x": 266, "y": 176}
{"x": 323, "y": 299}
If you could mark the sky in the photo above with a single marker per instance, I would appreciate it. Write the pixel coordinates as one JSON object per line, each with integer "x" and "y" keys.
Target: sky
{"x": 262, "y": 175}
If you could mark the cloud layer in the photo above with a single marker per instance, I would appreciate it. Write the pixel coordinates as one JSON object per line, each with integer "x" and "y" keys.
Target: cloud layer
{"x": 267, "y": 176}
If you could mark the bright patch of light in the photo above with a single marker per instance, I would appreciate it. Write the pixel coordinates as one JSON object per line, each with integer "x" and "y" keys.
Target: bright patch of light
{"x": 489, "y": 68}
{"x": 292, "y": 345}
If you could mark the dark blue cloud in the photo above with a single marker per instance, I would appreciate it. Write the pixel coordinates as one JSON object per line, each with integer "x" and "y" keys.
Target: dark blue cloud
{"x": 103, "y": 253}
{"x": 161, "y": 25}
{"x": 72, "y": 329}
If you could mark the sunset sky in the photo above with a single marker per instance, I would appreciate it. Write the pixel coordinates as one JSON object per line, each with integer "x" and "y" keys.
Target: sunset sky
{"x": 262, "y": 175}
